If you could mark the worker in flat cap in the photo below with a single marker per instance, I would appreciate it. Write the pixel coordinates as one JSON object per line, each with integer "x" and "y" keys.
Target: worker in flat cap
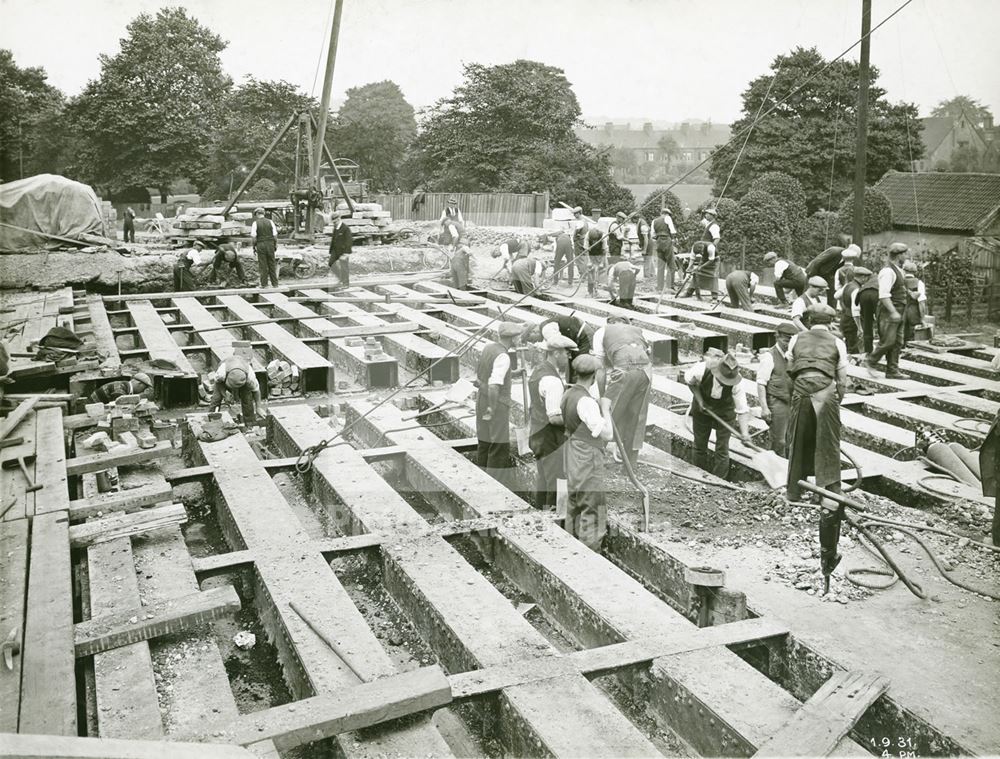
{"x": 740, "y": 286}
{"x": 234, "y": 377}
{"x": 813, "y": 294}
{"x": 622, "y": 278}
{"x": 264, "y": 238}
{"x": 573, "y": 328}
{"x": 664, "y": 234}
{"x": 617, "y": 238}
{"x": 626, "y": 378}
{"x": 183, "y": 273}
{"x": 847, "y": 306}
{"x": 547, "y": 435}
{"x": 916, "y": 301}
{"x": 774, "y": 389}
{"x": 562, "y": 258}
{"x": 825, "y": 265}
{"x": 787, "y": 276}
{"x": 892, "y": 304}
{"x": 526, "y": 274}
{"x": 866, "y": 299}
{"x": 341, "y": 247}
{"x": 140, "y": 384}
{"x": 452, "y": 223}
{"x": 817, "y": 366}
{"x": 493, "y": 378}
{"x": 589, "y": 428}
{"x": 851, "y": 258}
{"x": 717, "y": 395}
{"x": 580, "y": 226}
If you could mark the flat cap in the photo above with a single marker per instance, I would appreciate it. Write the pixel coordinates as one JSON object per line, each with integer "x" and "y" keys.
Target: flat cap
{"x": 898, "y": 247}
{"x": 578, "y": 210}
{"x": 860, "y": 272}
{"x": 820, "y": 311}
{"x": 235, "y": 378}
{"x": 509, "y": 329}
{"x": 586, "y": 364}
{"x": 258, "y": 212}
{"x": 818, "y": 282}
{"x": 787, "y": 328}
{"x": 770, "y": 256}
{"x": 557, "y": 342}
{"x": 851, "y": 251}
{"x": 620, "y": 215}
{"x": 143, "y": 378}
{"x": 910, "y": 267}
{"x": 711, "y": 211}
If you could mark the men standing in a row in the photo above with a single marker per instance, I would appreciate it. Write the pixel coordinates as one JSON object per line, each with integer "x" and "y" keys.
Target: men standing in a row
{"x": 493, "y": 380}
{"x": 589, "y": 428}
{"x": 740, "y": 285}
{"x": 664, "y": 233}
{"x": 892, "y": 302}
{"x": 774, "y": 388}
{"x": 715, "y": 386}
{"x": 545, "y": 390}
{"x": 341, "y": 243}
{"x": 627, "y": 377}
{"x": 787, "y": 276}
{"x": 817, "y": 365}
{"x": 264, "y": 238}
{"x": 813, "y": 294}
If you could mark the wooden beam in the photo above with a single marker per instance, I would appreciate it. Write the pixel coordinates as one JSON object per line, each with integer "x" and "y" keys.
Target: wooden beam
{"x": 62, "y": 747}
{"x": 17, "y": 416}
{"x": 125, "y": 501}
{"x": 349, "y": 709}
{"x": 99, "y": 461}
{"x": 13, "y": 582}
{"x": 209, "y": 566}
{"x": 165, "y": 617}
{"x": 126, "y": 525}
{"x": 371, "y": 329}
{"x": 818, "y": 727}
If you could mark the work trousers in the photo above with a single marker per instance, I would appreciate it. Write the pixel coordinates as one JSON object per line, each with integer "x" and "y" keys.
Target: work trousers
{"x": 267, "y": 264}
{"x": 911, "y": 318}
{"x": 785, "y": 282}
{"x": 626, "y": 290}
{"x": 813, "y": 433}
{"x": 849, "y": 329}
{"x": 547, "y": 445}
{"x": 628, "y": 391}
{"x": 129, "y": 232}
{"x": 586, "y": 512}
{"x": 220, "y": 260}
{"x": 493, "y": 446}
{"x": 890, "y": 341}
{"x": 779, "y": 424}
{"x": 520, "y": 286}
{"x": 665, "y": 271}
{"x": 560, "y": 260}
{"x": 244, "y": 395}
{"x": 593, "y": 273}
{"x": 459, "y": 274}
{"x": 868, "y": 302}
{"x": 183, "y": 279}
{"x": 739, "y": 293}
{"x": 718, "y": 462}
{"x": 341, "y": 269}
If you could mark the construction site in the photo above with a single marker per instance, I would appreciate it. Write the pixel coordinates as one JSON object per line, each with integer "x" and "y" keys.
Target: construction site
{"x": 326, "y": 566}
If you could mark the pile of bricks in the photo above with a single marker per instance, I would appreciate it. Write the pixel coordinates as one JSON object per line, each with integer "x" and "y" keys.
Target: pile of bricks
{"x": 126, "y": 423}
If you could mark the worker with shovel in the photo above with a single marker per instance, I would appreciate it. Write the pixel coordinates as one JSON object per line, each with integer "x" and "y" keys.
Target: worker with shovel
{"x": 774, "y": 388}
{"x": 545, "y": 389}
{"x": 589, "y": 428}
{"x": 718, "y": 400}
{"x": 493, "y": 380}
{"x": 701, "y": 270}
{"x": 628, "y": 374}
{"x": 622, "y": 277}
{"x": 817, "y": 366}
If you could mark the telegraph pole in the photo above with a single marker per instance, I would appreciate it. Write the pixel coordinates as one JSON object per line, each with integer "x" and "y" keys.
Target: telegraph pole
{"x": 324, "y": 106}
{"x": 860, "y": 157}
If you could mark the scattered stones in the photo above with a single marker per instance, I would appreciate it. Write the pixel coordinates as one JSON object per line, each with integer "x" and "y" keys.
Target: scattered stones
{"x": 245, "y": 640}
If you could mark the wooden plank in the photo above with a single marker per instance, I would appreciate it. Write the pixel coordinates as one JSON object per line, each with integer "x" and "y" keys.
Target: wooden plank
{"x": 13, "y": 582}
{"x": 97, "y": 462}
{"x": 50, "y": 462}
{"x": 126, "y": 525}
{"x": 125, "y": 501}
{"x": 372, "y": 329}
{"x": 12, "y": 483}
{"x": 100, "y": 327}
{"x": 18, "y": 415}
{"x": 48, "y": 686}
{"x": 349, "y": 709}
{"x": 61, "y": 747}
{"x": 165, "y": 617}
{"x": 155, "y": 336}
{"x": 208, "y": 566}
{"x": 827, "y": 717}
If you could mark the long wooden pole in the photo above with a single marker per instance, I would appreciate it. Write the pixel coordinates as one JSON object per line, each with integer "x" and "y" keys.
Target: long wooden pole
{"x": 260, "y": 162}
{"x": 861, "y": 148}
{"x": 324, "y": 106}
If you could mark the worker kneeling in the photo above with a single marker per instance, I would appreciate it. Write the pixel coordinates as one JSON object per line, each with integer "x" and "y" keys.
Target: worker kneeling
{"x": 545, "y": 388}
{"x": 718, "y": 401}
{"x": 235, "y": 379}
{"x": 817, "y": 366}
{"x": 589, "y": 428}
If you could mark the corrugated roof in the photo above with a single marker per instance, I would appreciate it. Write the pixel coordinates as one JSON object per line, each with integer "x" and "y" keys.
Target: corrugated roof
{"x": 941, "y": 200}
{"x": 623, "y": 137}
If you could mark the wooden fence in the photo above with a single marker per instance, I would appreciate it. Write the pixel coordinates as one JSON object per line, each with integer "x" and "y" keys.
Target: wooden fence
{"x": 495, "y": 209}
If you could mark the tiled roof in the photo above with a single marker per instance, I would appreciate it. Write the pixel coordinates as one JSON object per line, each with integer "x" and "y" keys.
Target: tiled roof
{"x": 934, "y": 129}
{"x": 941, "y": 200}
{"x": 623, "y": 137}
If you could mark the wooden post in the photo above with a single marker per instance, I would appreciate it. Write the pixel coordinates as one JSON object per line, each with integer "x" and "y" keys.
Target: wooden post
{"x": 860, "y": 157}
{"x": 947, "y": 303}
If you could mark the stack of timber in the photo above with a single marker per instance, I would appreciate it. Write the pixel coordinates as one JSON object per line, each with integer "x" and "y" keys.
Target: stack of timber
{"x": 367, "y": 219}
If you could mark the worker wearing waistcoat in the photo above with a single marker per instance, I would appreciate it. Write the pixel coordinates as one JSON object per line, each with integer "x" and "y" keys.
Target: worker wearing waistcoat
{"x": 628, "y": 374}
{"x": 892, "y": 303}
{"x": 715, "y": 385}
{"x": 493, "y": 378}
{"x": 813, "y": 294}
{"x": 787, "y": 276}
{"x": 740, "y": 285}
{"x": 774, "y": 388}
{"x": 547, "y": 434}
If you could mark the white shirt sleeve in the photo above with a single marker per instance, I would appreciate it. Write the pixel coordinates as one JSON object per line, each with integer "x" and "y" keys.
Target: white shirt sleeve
{"x": 501, "y": 365}
{"x": 670, "y": 225}
{"x": 711, "y": 252}
{"x": 779, "y": 268}
{"x": 921, "y": 291}
{"x": 798, "y": 307}
{"x": 695, "y": 373}
{"x": 791, "y": 344}
{"x": 713, "y": 230}
{"x": 754, "y": 280}
{"x": 740, "y": 399}
{"x": 886, "y": 279}
{"x": 597, "y": 344}
{"x": 551, "y": 390}
{"x": 766, "y": 367}
{"x": 842, "y": 353}
{"x": 504, "y": 252}
{"x": 855, "y": 306}
{"x": 253, "y": 230}
{"x": 589, "y": 412}
{"x": 538, "y": 268}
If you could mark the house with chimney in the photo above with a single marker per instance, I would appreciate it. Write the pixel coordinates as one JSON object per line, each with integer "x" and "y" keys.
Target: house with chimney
{"x": 943, "y": 135}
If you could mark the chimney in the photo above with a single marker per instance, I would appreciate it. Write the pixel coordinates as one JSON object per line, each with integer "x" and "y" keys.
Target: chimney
{"x": 987, "y": 121}
{"x": 647, "y": 128}
{"x": 685, "y": 126}
{"x": 609, "y": 127}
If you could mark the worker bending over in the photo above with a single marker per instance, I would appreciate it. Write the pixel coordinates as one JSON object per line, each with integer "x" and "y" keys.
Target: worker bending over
{"x": 715, "y": 388}
{"x": 588, "y": 425}
{"x": 183, "y": 274}
{"x": 622, "y": 277}
{"x": 141, "y": 384}
{"x": 741, "y": 286}
{"x": 774, "y": 388}
{"x": 461, "y": 272}
{"x": 545, "y": 391}
{"x": 628, "y": 373}
{"x": 493, "y": 375}
{"x": 892, "y": 303}
{"x": 817, "y": 366}
{"x": 227, "y": 256}
{"x": 813, "y": 294}
{"x": 234, "y": 378}
{"x": 573, "y": 329}
{"x": 826, "y": 264}
{"x": 787, "y": 276}
{"x": 526, "y": 274}
{"x": 701, "y": 269}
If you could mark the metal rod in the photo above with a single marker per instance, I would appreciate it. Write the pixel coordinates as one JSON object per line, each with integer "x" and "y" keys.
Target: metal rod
{"x": 324, "y": 106}
{"x": 861, "y": 148}
{"x": 326, "y": 639}
{"x": 260, "y": 162}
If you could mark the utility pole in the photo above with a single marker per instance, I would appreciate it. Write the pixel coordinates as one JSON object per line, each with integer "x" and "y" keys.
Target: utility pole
{"x": 860, "y": 157}
{"x": 324, "y": 106}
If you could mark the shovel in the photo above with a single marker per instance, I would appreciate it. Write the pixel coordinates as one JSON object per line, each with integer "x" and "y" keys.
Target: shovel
{"x": 768, "y": 463}
{"x": 522, "y": 433}
{"x": 456, "y": 395}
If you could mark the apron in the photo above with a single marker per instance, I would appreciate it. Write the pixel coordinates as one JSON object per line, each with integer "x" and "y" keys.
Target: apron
{"x": 813, "y": 434}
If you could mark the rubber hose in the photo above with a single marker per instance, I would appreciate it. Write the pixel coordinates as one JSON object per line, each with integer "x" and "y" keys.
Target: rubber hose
{"x": 957, "y": 422}
{"x": 913, "y": 587}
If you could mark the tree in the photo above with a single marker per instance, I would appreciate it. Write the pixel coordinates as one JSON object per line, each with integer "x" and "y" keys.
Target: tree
{"x": 814, "y": 129}
{"x": 878, "y": 213}
{"x": 961, "y": 105}
{"x": 623, "y": 159}
{"x": 375, "y": 127}
{"x": 654, "y": 202}
{"x": 262, "y": 189}
{"x": 670, "y": 149}
{"x": 817, "y": 232}
{"x": 31, "y": 128}
{"x": 758, "y": 224}
{"x": 252, "y": 116}
{"x": 509, "y": 128}
{"x": 149, "y": 119}
{"x": 787, "y": 191}
{"x": 971, "y": 158}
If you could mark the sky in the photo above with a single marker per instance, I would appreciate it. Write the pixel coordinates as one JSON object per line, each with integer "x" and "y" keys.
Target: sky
{"x": 638, "y": 60}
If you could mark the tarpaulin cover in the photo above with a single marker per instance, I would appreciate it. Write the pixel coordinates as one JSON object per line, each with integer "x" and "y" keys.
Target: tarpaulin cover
{"x": 47, "y": 203}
